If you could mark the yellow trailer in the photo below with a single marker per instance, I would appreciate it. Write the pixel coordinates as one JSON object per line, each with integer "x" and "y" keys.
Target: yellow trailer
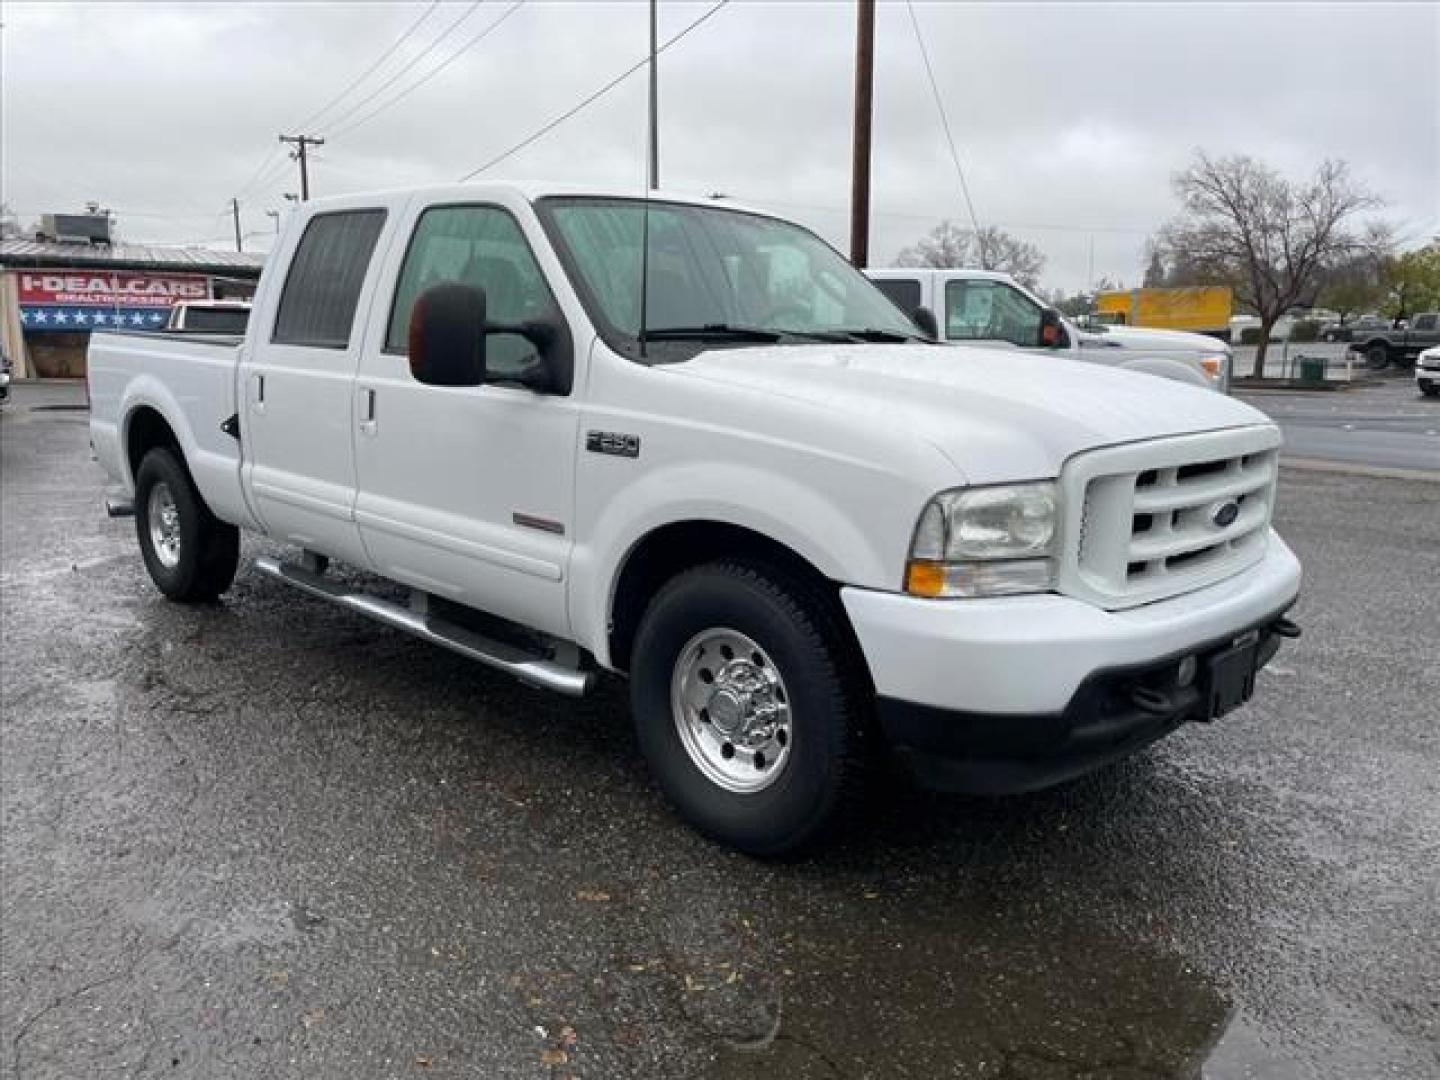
{"x": 1201, "y": 309}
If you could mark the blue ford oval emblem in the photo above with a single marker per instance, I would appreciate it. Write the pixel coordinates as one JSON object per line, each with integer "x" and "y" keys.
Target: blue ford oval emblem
{"x": 1225, "y": 514}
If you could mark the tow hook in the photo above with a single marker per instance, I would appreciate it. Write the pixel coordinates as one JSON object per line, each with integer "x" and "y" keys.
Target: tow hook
{"x": 1155, "y": 702}
{"x": 1285, "y": 628}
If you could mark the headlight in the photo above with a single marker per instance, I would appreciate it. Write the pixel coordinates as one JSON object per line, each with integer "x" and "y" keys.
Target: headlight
{"x": 1213, "y": 365}
{"x": 987, "y": 541}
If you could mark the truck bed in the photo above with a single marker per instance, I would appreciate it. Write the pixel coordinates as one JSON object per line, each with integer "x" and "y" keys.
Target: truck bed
{"x": 190, "y": 381}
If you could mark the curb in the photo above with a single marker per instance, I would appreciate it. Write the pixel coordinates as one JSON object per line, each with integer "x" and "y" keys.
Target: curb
{"x": 1383, "y": 472}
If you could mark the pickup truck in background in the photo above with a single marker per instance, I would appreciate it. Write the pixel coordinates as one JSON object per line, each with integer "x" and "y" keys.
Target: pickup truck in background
{"x": 209, "y": 317}
{"x": 1399, "y": 346}
{"x": 1346, "y": 331}
{"x": 987, "y": 308}
{"x": 690, "y": 444}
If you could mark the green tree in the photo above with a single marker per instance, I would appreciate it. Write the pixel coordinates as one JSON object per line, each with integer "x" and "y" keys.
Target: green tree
{"x": 1411, "y": 283}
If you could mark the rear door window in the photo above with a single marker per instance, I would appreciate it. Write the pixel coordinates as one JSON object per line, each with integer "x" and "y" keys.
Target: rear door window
{"x": 322, "y": 287}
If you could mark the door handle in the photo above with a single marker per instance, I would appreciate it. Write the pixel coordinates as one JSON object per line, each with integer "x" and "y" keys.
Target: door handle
{"x": 259, "y": 383}
{"x": 368, "y": 425}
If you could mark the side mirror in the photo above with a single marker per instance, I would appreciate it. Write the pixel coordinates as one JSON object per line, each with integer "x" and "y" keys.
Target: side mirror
{"x": 448, "y": 331}
{"x": 1052, "y": 329}
{"x": 924, "y": 319}
{"x": 447, "y": 336}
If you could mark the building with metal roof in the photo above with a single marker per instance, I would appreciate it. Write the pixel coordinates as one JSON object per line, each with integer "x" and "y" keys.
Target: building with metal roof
{"x": 53, "y": 293}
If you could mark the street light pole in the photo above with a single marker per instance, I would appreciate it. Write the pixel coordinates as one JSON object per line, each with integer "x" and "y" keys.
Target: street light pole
{"x": 860, "y": 164}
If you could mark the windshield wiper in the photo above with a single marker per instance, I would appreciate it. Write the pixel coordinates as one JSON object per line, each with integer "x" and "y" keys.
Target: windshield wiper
{"x": 723, "y": 331}
{"x": 871, "y": 333}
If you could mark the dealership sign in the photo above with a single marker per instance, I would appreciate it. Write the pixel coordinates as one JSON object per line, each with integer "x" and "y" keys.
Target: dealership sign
{"x": 110, "y": 290}
{"x": 86, "y": 299}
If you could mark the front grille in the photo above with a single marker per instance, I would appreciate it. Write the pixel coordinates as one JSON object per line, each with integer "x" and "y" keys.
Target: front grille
{"x": 1151, "y": 520}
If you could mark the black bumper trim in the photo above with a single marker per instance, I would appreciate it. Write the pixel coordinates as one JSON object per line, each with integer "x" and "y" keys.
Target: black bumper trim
{"x": 1114, "y": 713}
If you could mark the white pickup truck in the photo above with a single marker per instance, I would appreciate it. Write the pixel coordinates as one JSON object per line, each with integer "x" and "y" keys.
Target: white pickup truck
{"x": 983, "y": 307}
{"x": 806, "y": 533}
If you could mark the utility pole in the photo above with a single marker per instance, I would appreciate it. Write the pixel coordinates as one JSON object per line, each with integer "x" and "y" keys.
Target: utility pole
{"x": 860, "y": 166}
{"x": 235, "y": 212}
{"x": 301, "y": 142}
{"x": 654, "y": 177}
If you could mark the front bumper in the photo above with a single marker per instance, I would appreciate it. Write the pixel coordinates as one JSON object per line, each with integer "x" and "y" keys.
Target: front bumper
{"x": 1021, "y": 692}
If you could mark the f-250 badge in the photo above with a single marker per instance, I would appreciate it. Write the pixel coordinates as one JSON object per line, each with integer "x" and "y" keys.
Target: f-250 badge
{"x": 613, "y": 442}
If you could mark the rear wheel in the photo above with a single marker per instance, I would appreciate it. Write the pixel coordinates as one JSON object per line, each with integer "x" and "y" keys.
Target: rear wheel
{"x": 191, "y": 555}
{"x": 1377, "y": 356}
{"x": 1430, "y": 389}
{"x": 751, "y": 706}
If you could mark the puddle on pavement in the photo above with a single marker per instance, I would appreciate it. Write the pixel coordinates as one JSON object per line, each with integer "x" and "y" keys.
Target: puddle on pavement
{"x": 951, "y": 999}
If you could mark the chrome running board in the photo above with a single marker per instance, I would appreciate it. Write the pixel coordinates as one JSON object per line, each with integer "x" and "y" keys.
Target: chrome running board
{"x": 525, "y": 666}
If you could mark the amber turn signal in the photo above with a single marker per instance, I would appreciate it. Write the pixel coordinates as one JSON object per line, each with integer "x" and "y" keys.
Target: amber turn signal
{"x": 924, "y": 578}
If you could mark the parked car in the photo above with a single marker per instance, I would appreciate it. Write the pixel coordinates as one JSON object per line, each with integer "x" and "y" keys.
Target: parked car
{"x": 1427, "y": 372}
{"x": 209, "y": 317}
{"x": 981, "y": 307}
{"x": 1400, "y": 345}
{"x": 797, "y": 526}
{"x": 1343, "y": 331}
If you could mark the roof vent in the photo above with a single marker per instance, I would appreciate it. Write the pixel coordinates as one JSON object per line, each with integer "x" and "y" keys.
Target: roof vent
{"x": 75, "y": 228}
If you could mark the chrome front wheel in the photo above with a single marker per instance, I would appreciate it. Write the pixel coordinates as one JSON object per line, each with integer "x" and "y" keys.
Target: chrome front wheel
{"x": 731, "y": 710}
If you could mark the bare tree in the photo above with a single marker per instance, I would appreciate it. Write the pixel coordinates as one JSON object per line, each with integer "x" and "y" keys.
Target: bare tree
{"x": 948, "y": 245}
{"x": 1266, "y": 236}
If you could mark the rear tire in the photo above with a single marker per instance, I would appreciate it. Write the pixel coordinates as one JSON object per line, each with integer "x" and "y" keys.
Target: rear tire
{"x": 1430, "y": 389}
{"x": 191, "y": 554}
{"x": 763, "y": 742}
{"x": 1377, "y": 357}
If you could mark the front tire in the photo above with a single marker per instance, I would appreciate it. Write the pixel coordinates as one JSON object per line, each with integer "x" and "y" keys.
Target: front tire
{"x": 1430, "y": 389}
{"x": 752, "y": 706}
{"x": 191, "y": 554}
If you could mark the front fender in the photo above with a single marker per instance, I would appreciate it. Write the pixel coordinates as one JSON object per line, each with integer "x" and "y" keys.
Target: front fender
{"x": 795, "y": 515}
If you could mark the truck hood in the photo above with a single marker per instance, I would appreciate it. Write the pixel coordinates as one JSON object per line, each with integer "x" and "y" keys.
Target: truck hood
{"x": 998, "y": 415}
{"x": 1156, "y": 341}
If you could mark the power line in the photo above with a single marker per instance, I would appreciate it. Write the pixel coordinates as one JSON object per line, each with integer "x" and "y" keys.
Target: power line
{"x": 593, "y": 97}
{"x": 393, "y": 79}
{"x": 266, "y": 168}
{"x": 944, "y": 120}
{"x": 481, "y": 36}
{"x": 394, "y": 45}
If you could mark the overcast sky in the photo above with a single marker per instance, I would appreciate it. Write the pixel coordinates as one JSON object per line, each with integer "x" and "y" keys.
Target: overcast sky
{"x": 1069, "y": 119}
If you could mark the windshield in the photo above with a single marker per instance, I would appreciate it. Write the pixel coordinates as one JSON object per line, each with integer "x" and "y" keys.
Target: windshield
{"x": 713, "y": 273}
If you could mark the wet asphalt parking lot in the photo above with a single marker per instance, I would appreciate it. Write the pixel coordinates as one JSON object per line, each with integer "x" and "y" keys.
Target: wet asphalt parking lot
{"x": 268, "y": 839}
